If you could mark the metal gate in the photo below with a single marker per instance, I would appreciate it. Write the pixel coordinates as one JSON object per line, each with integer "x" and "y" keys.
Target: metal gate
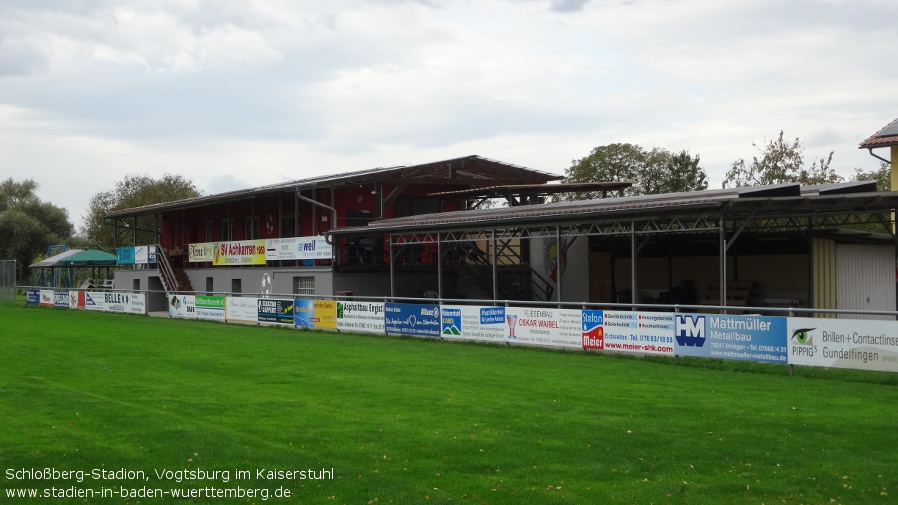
{"x": 7, "y": 280}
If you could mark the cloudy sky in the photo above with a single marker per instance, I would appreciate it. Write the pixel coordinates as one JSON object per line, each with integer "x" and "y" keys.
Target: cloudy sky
{"x": 235, "y": 94}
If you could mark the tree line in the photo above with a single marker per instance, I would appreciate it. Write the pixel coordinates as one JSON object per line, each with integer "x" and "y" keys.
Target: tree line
{"x": 28, "y": 226}
{"x": 658, "y": 170}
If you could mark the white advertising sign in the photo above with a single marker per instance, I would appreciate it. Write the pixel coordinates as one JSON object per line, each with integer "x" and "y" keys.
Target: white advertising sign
{"x": 244, "y": 309}
{"x": 181, "y": 306}
{"x": 95, "y": 300}
{"x": 486, "y": 324}
{"x": 365, "y": 317}
{"x": 540, "y": 326}
{"x": 297, "y": 248}
{"x": 125, "y": 303}
{"x": 843, "y": 343}
{"x": 639, "y": 332}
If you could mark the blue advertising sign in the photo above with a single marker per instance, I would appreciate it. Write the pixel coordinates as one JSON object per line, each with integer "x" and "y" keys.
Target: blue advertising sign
{"x": 450, "y": 320}
{"x": 749, "y": 338}
{"x": 124, "y": 255}
{"x": 61, "y": 299}
{"x": 304, "y": 312}
{"x": 33, "y": 297}
{"x": 412, "y": 319}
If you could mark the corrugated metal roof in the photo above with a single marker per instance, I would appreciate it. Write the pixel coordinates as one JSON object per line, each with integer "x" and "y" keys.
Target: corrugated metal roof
{"x": 536, "y": 189}
{"x": 779, "y": 196}
{"x": 471, "y": 170}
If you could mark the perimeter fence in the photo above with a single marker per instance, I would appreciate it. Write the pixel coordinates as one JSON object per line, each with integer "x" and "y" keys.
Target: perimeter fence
{"x": 7, "y": 279}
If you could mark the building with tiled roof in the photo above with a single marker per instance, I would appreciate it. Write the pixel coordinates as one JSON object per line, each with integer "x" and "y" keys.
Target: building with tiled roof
{"x": 886, "y": 137}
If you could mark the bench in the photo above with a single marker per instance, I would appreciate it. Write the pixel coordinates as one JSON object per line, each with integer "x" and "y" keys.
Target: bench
{"x": 738, "y": 293}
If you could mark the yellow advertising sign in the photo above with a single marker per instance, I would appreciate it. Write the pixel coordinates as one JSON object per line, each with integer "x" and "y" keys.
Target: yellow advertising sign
{"x": 242, "y": 252}
{"x": 326, "y": 314}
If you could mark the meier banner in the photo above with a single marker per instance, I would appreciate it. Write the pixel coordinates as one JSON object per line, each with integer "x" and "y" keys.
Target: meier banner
{"x": 632, "y": 332}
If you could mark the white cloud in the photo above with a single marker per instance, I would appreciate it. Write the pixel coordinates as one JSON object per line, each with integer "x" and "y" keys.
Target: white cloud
{"x": 250, "y": 93}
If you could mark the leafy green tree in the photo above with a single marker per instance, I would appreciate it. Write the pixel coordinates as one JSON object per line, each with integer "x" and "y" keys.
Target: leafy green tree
{"x": 882, "y": 176}
{"x": 132, "y": 191}
{"x": 781, "y": 161}
{"x": 655, "y": 171}
{"x": 665, "y": 172}
{"x": 27, "y": 225}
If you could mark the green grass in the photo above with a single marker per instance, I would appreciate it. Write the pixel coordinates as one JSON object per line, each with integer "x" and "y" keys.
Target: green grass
{"x": 415, "y": 421}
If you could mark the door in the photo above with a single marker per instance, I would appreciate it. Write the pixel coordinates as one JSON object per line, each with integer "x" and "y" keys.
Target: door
{"x": 601, "y": 273}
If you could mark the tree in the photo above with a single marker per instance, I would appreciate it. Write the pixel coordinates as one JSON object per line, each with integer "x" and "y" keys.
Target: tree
{"x": 882, "y": 176}
{"x": 132, "y": 191}
{"x": 27, "y": 225}
{"x": 655, "y": 171}
{"x": 671, "y": 173}
{"x": 781, "y": 162}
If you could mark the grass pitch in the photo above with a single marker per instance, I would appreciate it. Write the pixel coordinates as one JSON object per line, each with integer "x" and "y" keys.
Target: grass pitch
{"x": 171, "y": 406}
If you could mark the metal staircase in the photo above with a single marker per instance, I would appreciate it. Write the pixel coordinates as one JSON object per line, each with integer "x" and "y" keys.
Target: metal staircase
{"x": 166, "y": 273}
{"x": 515, "y": 277}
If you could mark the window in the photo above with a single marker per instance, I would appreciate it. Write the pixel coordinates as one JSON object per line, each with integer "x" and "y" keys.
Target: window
{"x": 209, "y": 227}
{"x": 303, "y": 285}
{"x": 288, "y": 225}
{"x": 210, "y": 284}
{"x": 227, "y": 229}
{"x": 236, "y": 286}
{"x": 251, "y": 229}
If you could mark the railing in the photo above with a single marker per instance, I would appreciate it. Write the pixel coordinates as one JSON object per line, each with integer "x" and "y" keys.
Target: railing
{"x": 165, "y": 271}
{"x": 508, "y": 260}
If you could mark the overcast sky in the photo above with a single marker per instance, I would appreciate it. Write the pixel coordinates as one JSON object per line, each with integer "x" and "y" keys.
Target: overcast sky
{"x": 235, "y": 94}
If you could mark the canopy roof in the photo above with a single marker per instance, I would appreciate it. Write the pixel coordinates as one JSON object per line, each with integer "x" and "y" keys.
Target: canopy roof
{"x": 778, "y": 200}
{"x": 471, "y": 171}
{"x": 53, "y": 261}
{"x": 89, "y": 258}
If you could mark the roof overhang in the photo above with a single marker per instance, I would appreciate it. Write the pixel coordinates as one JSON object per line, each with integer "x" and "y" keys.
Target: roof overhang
{"x": 472, "y": 171}
{"x": 886, "y": 137}
{"x": 784, "y": 200}
{"x": 528, "y": 190}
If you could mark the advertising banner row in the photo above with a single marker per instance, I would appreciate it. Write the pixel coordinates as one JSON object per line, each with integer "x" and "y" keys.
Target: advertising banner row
{"x": 103, "y": 301}
{"x": 866, "y": 345}
{"x": 841, "y": 343}
{"x": 257, "y": 252}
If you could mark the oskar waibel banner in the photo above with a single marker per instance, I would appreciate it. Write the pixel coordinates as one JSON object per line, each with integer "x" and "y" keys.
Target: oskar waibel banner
{"x": 750, "y": 338}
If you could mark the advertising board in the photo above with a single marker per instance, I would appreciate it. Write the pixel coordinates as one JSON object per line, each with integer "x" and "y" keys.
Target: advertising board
{"x": 210, "y": 307}
{"x": 485, "y": 324}
{"x": 748, "y": 338}
{"x": 360, "y": 316}
{"x": 544, "y": 326}
{"x": 421, "y": 320}
{"x": 242, "y": 309}
{"x": 843, "y": 343}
